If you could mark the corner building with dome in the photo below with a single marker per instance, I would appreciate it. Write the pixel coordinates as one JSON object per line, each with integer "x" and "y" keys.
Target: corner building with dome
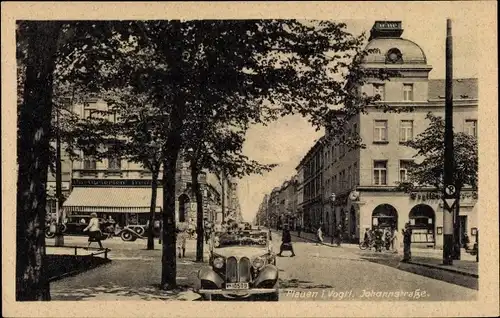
{"x": 363, "y": 180}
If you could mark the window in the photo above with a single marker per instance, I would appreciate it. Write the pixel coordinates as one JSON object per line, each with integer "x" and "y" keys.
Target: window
{"x": 114, "y": 163}
{"x": 349, "y": 177}
{"x": 380, "y": 172}
{"x": 335, "y": 183}
{"x": 407, "y": 92}
{"x": 404, "y": 166}
{"x": 471, "y": 127}
{"x": 379, "y": 89}
{"x": 87, "y": 113}
{"x": 406, "y": 130}
{"x": 380, "y": 131}
{"x": 89, "y": 164}
{"x": 355, "y": 174}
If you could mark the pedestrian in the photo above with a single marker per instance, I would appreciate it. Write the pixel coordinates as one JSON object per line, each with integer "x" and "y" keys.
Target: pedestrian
{"x": 94, "y": 231}
{"x": 394, "y": 241}
{"x": 466, "y": 241}
{"x": 319, "y": 236}
{"x": 181, "y": 242}
{"x": 286, "y": 242}
{"x": 298, "y": 229}
{"x": 270, "y": 234}
{"x": 407, "y": 243}
{"x": 339, "y": 234}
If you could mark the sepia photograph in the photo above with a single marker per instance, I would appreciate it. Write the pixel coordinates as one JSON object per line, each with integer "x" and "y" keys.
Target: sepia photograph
{"x": 296, "y": 161}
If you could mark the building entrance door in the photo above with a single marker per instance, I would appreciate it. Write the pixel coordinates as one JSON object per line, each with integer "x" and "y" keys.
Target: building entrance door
{"x": 462, "y": 219}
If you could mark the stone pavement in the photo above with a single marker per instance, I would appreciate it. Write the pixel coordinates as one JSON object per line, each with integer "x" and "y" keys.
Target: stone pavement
{"x": 134, "y": 273}
{"x": 428, "y": 257}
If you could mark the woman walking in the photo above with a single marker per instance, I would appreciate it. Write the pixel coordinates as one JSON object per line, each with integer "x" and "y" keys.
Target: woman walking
{"x": 319, "y": 236}
{"x": 94, "y": 231}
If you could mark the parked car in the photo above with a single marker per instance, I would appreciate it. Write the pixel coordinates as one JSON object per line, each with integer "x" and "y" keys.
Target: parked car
{"x": 74, "y": 225}
{"x": 242, "y": 265}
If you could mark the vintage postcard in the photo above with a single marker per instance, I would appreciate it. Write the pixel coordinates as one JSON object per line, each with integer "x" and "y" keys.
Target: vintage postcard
{"x": 234, "y": 159}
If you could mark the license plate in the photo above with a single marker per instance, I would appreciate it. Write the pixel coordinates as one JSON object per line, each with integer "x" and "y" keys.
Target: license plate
{"x": 237, "y": 286}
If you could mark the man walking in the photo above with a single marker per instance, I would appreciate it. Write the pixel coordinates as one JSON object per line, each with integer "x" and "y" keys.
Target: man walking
{"x": 319, "y": 236}
{"x": 407, "y": 243}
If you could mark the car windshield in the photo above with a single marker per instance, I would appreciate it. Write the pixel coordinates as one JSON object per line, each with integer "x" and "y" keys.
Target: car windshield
{"x": 241, "y": 238}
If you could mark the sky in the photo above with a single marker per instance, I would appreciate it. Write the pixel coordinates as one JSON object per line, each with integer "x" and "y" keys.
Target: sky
{"x": 288, "y": 139}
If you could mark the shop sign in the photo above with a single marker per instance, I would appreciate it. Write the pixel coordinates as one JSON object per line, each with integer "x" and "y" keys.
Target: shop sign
{"x": 112, "y": 183}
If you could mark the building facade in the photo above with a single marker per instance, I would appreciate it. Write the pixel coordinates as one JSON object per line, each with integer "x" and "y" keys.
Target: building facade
{"x": 363, "y": 180}
{"x": 312, "y": 204}
{"x": 122, "y": 188}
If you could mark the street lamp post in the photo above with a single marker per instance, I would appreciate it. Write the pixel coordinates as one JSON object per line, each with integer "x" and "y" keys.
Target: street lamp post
{"x": 332, "y": 201}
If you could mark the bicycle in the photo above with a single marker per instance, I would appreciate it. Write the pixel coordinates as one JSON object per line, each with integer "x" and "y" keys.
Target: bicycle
{"x": 367, "y": 245}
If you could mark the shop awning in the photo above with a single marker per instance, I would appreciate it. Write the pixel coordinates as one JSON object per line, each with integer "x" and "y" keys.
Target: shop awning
{"x": 111, "y": 200}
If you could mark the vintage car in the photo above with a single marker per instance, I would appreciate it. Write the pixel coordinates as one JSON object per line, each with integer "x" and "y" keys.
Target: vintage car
{"x": 242, "y": 266}
{"x": 73, "y": 225}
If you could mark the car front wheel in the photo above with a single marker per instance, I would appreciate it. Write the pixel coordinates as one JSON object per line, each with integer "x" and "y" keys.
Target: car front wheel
{"x": 127, "y": 236}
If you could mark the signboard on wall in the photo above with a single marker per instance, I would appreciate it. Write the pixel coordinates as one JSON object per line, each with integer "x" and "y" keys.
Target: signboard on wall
{"x": 112, "y": 183}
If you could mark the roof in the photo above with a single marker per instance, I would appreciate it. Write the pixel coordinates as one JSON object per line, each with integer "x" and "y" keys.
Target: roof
{"x": 463, "y": 88}
{"x": 411, "y": 53}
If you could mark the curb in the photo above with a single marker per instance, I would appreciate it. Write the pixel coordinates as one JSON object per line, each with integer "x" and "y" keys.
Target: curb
{"x": 77, "y": 271}
{"x": 312, "y": 240}
{"x": 453, "y": 270}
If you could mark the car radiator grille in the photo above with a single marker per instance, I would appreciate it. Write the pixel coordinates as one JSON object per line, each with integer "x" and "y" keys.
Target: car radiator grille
{"x": 238, "y": 271}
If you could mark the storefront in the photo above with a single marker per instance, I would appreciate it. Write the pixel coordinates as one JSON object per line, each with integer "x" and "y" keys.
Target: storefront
{"x": 126, "y": 201}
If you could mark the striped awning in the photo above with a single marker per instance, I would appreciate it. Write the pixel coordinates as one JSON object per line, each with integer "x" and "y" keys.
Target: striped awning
{"x": 111, "y": 200}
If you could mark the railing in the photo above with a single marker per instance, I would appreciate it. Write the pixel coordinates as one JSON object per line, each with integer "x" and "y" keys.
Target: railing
{"x": 75, "y": 248}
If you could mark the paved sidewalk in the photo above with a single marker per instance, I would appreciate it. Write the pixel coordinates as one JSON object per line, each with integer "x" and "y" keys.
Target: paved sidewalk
{"x": 133, "y": 274}
{"x": 428, "y": 257}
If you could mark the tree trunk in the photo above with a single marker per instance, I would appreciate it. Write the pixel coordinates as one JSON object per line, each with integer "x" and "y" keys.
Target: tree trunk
{"x": 456, "y": 226}
{"x": 168, "y": 272}
{"x": 33, "y": 160}
{"x": 199, "y": 211}
{"x": 152, "y": 209}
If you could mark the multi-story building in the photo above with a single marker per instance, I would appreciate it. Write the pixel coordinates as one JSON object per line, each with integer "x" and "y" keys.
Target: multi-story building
{"x": 273, "y": 208}
{"x": 261, "y": 216}
{"x": 299, "y": 197}
{"x": 312, "y": 205}
{"x": 363, "y": 180}
{"x": 122, "y": 188}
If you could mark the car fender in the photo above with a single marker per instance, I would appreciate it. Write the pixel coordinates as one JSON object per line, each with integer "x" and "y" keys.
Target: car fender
{"x": 269, "y": 272}
{"x": 206, "y": 273}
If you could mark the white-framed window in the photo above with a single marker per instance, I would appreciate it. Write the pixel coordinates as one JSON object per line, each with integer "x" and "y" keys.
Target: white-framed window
{"x": 407, "y": 92}
{"x": 380, "y": 131}
{"x": 89, "y": 164}
{"x": 379, "y": 89}
{"x": 380, "y": 172}
{"x": 471, "y": 127}
{"x": 405, "y": 130}
{"x": 114, "y": 163}
{"x": 404, "y": 167}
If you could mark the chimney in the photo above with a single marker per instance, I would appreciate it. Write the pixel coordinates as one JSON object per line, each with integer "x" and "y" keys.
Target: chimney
{"x": 386, "y": 29}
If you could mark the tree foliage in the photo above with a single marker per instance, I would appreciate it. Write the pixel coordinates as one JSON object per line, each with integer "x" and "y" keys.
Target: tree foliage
{"x": 429, "y": 145}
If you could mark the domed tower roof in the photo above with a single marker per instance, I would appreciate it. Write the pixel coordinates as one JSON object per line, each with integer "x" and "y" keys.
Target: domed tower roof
{"x": 392, "y": 49}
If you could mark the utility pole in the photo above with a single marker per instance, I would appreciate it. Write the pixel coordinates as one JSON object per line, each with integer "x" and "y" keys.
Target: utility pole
{"x": 59, "y": 237}
{"x": 449, "y": 190}
{"x": 223, "y": 190}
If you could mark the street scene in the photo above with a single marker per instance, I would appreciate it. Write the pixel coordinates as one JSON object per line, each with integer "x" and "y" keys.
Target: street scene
{"x": 247, "y": 160}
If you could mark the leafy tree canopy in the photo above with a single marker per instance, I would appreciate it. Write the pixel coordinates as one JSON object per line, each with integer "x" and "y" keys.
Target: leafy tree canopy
{"x": 429, "y": 145}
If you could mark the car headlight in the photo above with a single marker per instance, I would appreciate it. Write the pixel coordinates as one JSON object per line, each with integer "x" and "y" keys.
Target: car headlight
{"x": 218, "y": 262}
{"x": 258, "y": 262}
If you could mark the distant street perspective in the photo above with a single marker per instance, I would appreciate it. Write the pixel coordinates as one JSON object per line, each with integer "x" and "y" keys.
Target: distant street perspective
{"x": 145, "y": 170}
{"x": 352, "y": 275}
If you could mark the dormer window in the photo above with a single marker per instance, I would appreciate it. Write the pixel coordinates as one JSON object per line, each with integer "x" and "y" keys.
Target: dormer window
{"x": 394, "y": 56}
